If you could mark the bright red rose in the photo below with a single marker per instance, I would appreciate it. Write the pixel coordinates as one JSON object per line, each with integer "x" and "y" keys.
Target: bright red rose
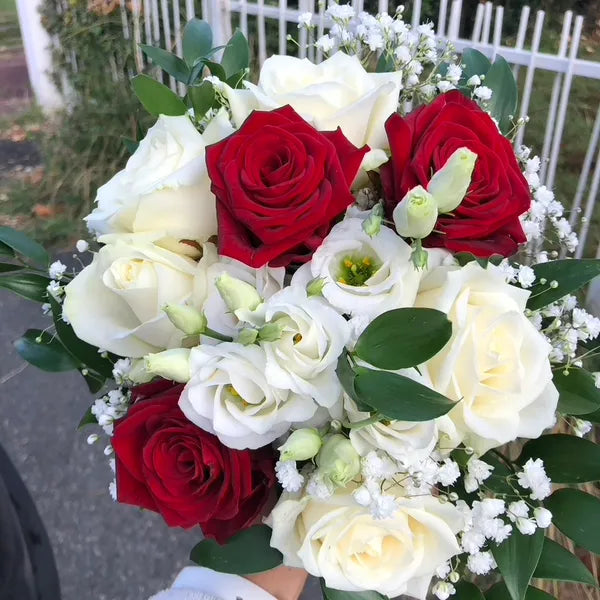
{"x": 166, "y": 464}
{"x": 279, "y": 184}
{"x": 487, "y": 220}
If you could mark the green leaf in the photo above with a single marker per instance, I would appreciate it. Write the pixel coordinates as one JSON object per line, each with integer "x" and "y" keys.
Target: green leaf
{"x": 556, "y": 562}
{"x": 81, "y": 351}
{"x": 517, "y": 558}
{"x": 157, "y": 98}
{"x": 24, "y": 245}
{"x": 87, "y": 419}
{"x": 474, "y": 63}
{"x": 500, "y": 592}
{"x": 236, "y": 56}
{"x": 567, "y": 458}
{"x": 7, "y": 268}
{"x": 168, "y": 62}
{"x": 398, "y": 397}
{"x": 216, "y": 69}
{"x": 48, "y": 355}
{"x": 197, "y": 40}
{"x": 27, "y": 285}
{"x": 404, "y": 337}
{"x": 501, "y": 81}
{"x": 467, "y": 591}
{"x": 578, "y": 392}
{"x": 202, "y": 98}
{"x": 386, "y": 63}
{"x": 247, "y": 552}
{"x": 6, "y": 250}
{"x": 331, "y": 594}
{"x": 577, "y": 515}
{"x": 571, "y": 274}
{"x": 497, "y": 481}
{"x": 346, "y": 375}
{"x": 131, "y": 145}
{"x": 593, "y": 417}
{"x": 94, "y": 382}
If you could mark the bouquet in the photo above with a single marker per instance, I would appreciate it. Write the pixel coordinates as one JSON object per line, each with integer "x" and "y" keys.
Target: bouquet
{"x": 326, "y": 324}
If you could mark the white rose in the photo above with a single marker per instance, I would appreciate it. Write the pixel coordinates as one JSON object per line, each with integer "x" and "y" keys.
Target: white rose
{"x": 340, "y": 541}
{"x": 313, "y": 336}
{"x": 229, "y": 396}
{"x": 363, "y": 275}
{"x": 335, "y": 93}
{"x": 164, "y": 189}
{"x": 116, "y": 302}
{"x": 496, "y": 363}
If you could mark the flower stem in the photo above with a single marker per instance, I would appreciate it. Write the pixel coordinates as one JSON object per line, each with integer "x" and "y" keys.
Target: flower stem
{"x": 216, "y": 335}
{"x": 375, "y": 418}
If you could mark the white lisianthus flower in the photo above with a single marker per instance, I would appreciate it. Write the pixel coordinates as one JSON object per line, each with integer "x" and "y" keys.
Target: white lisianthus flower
{"x": 313, "y": 335}
{"x": 116, "y": 302}
{"x": 362, "y": 275}
{"x": 496, "y": 364}
{"x": 337, "y": 539}
{"x": 230, "y": 396}
{"x": 164, "y": 190}
{"x": 338, "y": 92}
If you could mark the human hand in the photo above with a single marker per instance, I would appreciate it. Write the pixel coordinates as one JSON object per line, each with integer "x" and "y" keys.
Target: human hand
{"x": 284, "y": 583}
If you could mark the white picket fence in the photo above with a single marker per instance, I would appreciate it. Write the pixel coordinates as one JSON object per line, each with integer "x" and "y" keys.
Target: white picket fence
{"x": 160, "y": 22}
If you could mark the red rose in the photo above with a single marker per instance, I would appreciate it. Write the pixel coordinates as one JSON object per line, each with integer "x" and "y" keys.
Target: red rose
{"x": 487, "y": 220}
{"x": 167, "y": 464}
{"x": 279, "y": 185}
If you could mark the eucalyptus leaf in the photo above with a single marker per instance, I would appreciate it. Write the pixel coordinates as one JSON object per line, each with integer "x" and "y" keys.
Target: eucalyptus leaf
{"x": 131, "y": 145}
{"x": 94, "y": 381}
{"x": 6, "y": 250}
{"x": 48, "y": 354}
{"x": 331, "y": 594}
{"x": 578, "y": 392}
{"x": 577, "y": 515}
{"x": 567, "y": 458}
{"x": 23, "y": 244}
{"x": 503, "y": 103}
{"x": 157, "y": 98}
{"x": 7, "y": 268}
{"x": 216, "y": 69}
{"x": 467, "y": 591}
{"x": 88, "y": 419}
{"x": 236, "y": 56}
{"x": 247, "y": 552}
{"x": 202, "y": 98}
{"x": 27, "y": 285}
{"x": 557, "y": 563}
{"x": 474, "y": 63}
{"x": 570, "y": 274}
{"x": 168, "y": 62}
{"x": 517, "y": 557}
{"x": 500, "y": 592}
{"x": 398, "y": 397}
{"x": 197, "y": 40}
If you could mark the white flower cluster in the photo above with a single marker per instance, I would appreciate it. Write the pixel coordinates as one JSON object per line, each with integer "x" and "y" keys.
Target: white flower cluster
{"x": 110, "y": 408}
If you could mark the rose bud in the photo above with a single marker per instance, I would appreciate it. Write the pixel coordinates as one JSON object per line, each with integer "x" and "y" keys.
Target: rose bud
{"x": 171, "y": 364}
{"x": 416, "y": 214}
{"x": 186, "y": 318}
{"x": 338, "y": 460}
{"x": 302, "y": 444}
{"x": 237, "y": 294}
{"x": 449, "y": 185}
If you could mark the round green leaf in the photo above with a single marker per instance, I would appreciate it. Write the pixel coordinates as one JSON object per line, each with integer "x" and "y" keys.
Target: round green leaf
{"x": 23, "y": 244}
{"x": 236, "y": 56}
{"x": 567, "y": 458}
{"x": 168, "y": 62}
{"x": 474, "y": 63}
{"x": 6, "y": 250}
{"x": 197, "y": 40}
{"x": 404, "y": 337}
{"x": 577, "y": 515}
{"x": 202, "y": 98}
{"x": 398, "y": 397}
{"x": 245, "y": 553}
{"x": 517, "y": 558}
{"x": 571, "y": 274}
{"x": 556, "y": 562}
{"x": 500, "y": 592}
{"x": 578, "y": 392}
{"x": 467, "y": 591}
{"x": 27, "y": 285}
{"x": 7, "y": 267}
{"x": 503, "y": 103}
{"x": 157, "y": 98}
{"x": 49, "y": 354}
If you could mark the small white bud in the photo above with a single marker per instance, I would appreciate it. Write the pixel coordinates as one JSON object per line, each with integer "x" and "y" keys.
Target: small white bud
{"x": 93, "y": 438}
{"x": 416, "y": 214}
{"x": 338, "y": 460}
{"x": 82, "y": 246}
{"x": 542, "y": 516}
{"x": 302, "y": 444}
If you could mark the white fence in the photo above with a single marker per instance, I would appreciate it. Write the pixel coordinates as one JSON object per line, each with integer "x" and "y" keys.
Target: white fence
{"x": 160, "y": 22}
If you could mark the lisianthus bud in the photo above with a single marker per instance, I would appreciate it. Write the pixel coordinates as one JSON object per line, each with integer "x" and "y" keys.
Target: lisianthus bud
{"x": 338, "y": 460}
{"x": 416, "y": 214}
{"x": 247, "y": 336}
{"x": 271, "y": 332}
{"x": 301, "y": 445}
{"x": 372, "y": 224}
{"x": 186, "y": 318}
{"x": 171, "y": 364}
{"x": 138, "y": 373}
{"x": 237, "y": 294}
{"x": 315, "y": 286}
{"x": 449, "y": 185}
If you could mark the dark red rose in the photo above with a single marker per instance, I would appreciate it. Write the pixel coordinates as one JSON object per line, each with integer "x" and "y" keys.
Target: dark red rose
{"x": 487, "y": 220}
{"x": 279, "y": 184}
{"x": 167, "y": 464}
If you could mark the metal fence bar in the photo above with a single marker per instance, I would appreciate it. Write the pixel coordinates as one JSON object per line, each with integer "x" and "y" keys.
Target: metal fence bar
{"x": 282, "y": 27}
{"x": 487, "y": 22}
{"x": 178, "y": 40}
{"x": 166, "y": 23}
{"x": 476, "y": 36}
{"x": 262, "y": 36}
{"x": 521, "y": 33}
{"x": 441, "y": 22}
{"x": 589, "y": 209}
{"x": 190, "y": 9}
{"x": 497, "y": 39}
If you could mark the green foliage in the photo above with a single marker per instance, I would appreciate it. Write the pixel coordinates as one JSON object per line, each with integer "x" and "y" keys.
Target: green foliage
{"x": 156, "y": 97}
{"x": 247, "y": 552}
{"x": 517, "y": 557}
{"x": 330, "y": 594}
{"x": 168, "y": 62}
{"x": 236, "y": 56}
{"x": 47, "y": 354}
{"x": 578, "y": 392}
{"x": 467, "y": 591}
{"x": 197, "y": 40}
{"x": 27, "y": 285}
{"x": 404, "y": 337}
{"x": 24, "y": 245}
{"x": 500, "y": 592}
{"x": 557, "y": 563}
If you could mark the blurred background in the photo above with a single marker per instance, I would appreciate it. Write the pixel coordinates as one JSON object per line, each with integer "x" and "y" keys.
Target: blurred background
{"x": 65, "y": 107}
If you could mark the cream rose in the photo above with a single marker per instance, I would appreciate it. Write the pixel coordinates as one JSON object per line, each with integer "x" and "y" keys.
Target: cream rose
{"x": 229, "y": 396}
{"x": 340, "y": 541}
{"x": 164, "y": 189}
{"x": 116, "y": 302}
{"x": 335, "y": 93}
{"x": 496, "y": 364}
